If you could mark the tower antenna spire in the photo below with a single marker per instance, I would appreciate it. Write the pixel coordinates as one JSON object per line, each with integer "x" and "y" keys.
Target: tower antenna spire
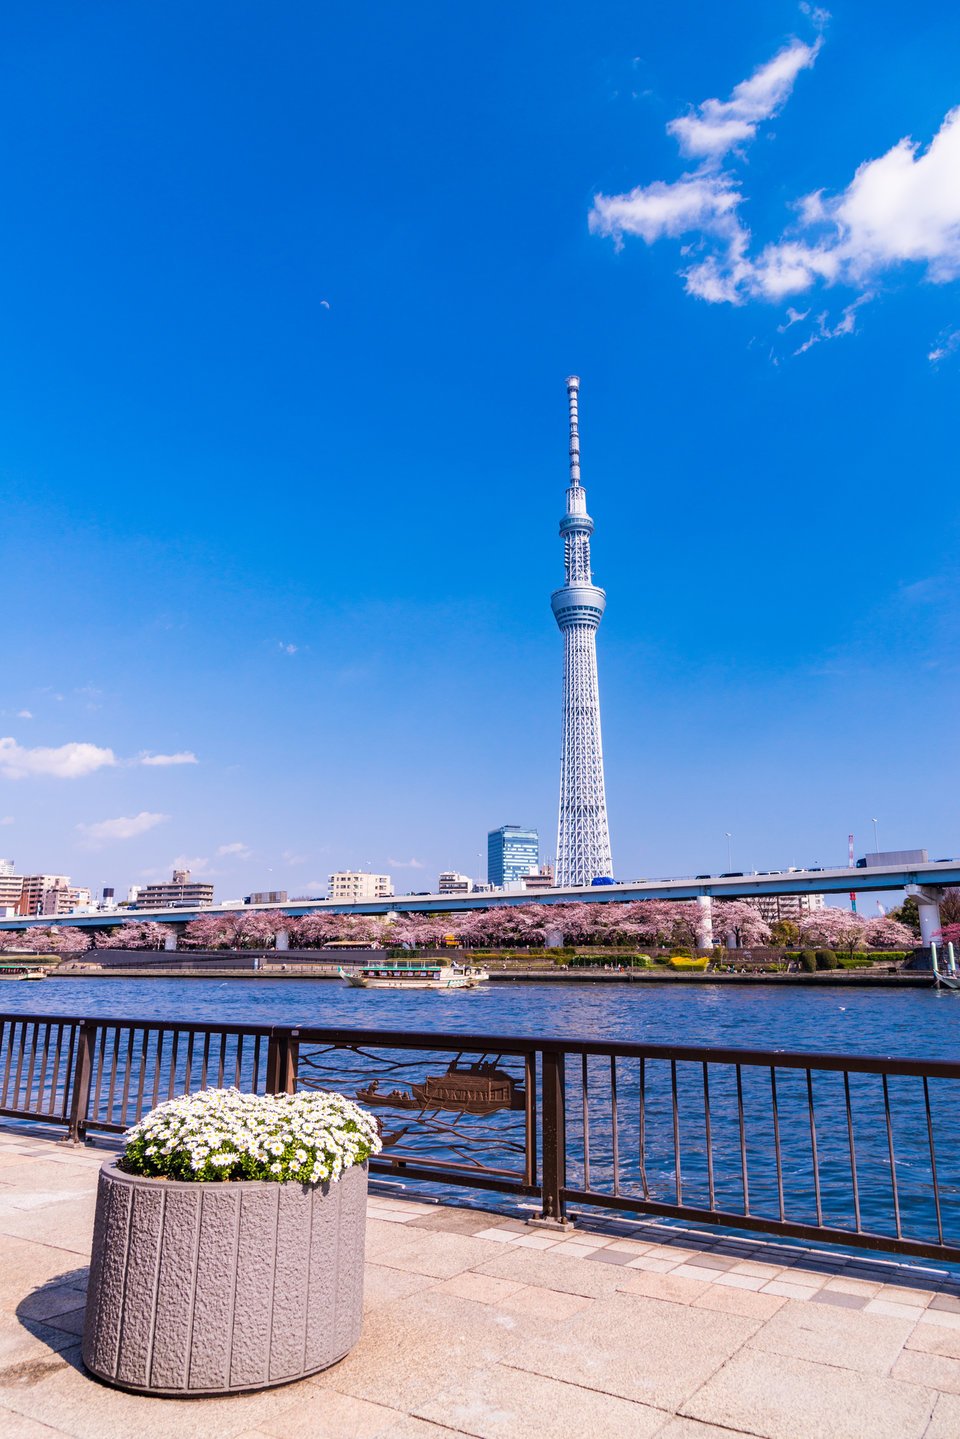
{"x": 583, "y": 836}
{"x": 573, "y": 390}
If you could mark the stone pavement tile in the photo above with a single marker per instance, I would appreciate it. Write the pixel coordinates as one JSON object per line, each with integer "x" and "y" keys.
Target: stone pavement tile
{"x": 707, "y": 1276}
{"x": 381, "y": 1238}
{"x": 838, "y": 1300}
{"x": 842, "y": 1285}
{"x": 408, "y": 1350}
{"x": 787, "y": 1290}
{"x": 642, "y": 1349}
{"x": 759, "y": 1271}
{"x": 663, "y": 1286}
{"x": 496, "y": 1235}
{"x": 505, "y": 1403}
{"x": 18, "y": 1426}
{"x": 741, "y": 1281}
{"x": 712, "y": 1260}
{"x": 25, "y": 1346}
{"x": 325, "y": 1414}
{"x": 933, "y": 1339}
{"x": 693, "y": 1429}
{"x": 936, "y": 1371}
{"x": 941, "y": 1317}
{"x": 457, "y": 1221}
{"x": 547, "y": 1304}
{"x": 609, "y": 1256}
{"x": 825, "y": 1335}
{"x": 52, "y": 1299}
{"x": 481, "y": 1288}
{"x": 28, "y": 1266}
{"x": 69, "y": 1323}
{"x": 949, "y": 1302}
{"x": 945, "y": 1423}
{"x": 68, "y": 1398}
{"x": 653, "y": 1266}
{"x": 893, "y": 1311}
{"x": 902, "y": 1294}
{"x": 382, "y": 1285}
{"x": 413, "y": 1428}
{"x": 549, "y": 1270}
{"x": 794, "y": 1399}
{"x": 536, "y": 1241}
{"x": 440, "y": 1255}
{"x": 632, "y": 1247}
{"x": 746, "y": 1302}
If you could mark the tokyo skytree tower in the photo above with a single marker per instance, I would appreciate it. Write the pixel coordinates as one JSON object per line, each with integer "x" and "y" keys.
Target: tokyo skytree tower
{"x": 583, "y": 838}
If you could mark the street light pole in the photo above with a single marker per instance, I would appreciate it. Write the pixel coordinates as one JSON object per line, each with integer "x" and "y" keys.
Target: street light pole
{"x": 876, "y": 837}
{"x": 729, "y": 849}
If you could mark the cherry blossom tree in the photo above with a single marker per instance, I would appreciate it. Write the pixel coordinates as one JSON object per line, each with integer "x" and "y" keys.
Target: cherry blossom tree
{"x": 133, "y": 934}
{"x": 884, "y": 933}
{"x": 950, "y": 934}
{"x": 833, "y": 929}
{"x": 210, "y": 931}
{"x": 48, "y": 941}
{"x": 741, "y": 919}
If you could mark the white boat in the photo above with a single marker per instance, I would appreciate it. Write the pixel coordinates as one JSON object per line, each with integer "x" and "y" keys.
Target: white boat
{"x": 15, "y": 972}
{"x": 413, "y": 975}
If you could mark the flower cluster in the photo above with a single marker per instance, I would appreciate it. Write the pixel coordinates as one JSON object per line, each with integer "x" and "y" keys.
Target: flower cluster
{"x": 221, "y": 1134}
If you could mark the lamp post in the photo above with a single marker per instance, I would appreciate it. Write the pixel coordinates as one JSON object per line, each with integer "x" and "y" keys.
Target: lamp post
{"x": 729, "y": 838}
{"x": 876, "y": 837}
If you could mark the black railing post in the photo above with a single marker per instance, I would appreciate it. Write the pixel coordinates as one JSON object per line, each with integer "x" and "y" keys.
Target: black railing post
{"x": 553, "y": 1139}
{"x": 80, "y": 1081}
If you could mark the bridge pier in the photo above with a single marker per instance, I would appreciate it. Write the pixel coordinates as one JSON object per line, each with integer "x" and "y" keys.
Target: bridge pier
{"x": 928, "y": 906}
{"x": 282, "y": 940}
{"x": 704, "y": 922}
{"x": 170, "y": 939}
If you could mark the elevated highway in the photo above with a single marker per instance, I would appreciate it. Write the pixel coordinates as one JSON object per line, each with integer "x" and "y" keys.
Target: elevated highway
{"x": 926, "y": 880}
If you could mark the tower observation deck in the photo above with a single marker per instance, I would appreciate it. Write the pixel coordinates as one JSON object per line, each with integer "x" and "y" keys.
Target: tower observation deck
{"x": 583, "y": 836}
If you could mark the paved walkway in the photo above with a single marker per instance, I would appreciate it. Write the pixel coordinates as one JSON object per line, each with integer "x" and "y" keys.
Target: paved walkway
{"x": 479, "y": 1325}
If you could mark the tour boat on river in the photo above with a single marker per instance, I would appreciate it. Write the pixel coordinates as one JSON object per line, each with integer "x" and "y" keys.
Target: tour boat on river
{"x": 413, "y": 974}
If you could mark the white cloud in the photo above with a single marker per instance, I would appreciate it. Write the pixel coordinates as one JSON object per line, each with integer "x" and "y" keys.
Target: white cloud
{"x": 125, "y": 827}
{"x": 901, "y": 208}
{"x": 196, "y": 864}
{"x": 66, "y": 761}
{"x": 24, "y": 714}
{"x": 239, "y": 849}
{"x": 288, "y": 649}
{"x": 406, "y": 863}
{"x": 716, "y": 126}
{"x": 946, "y": 345}
{"x": 7, "y": 819}
{"x": 183, "y": 756}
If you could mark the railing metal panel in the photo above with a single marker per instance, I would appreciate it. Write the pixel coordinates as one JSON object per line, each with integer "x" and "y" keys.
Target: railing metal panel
{"x": 857, "y": 1150}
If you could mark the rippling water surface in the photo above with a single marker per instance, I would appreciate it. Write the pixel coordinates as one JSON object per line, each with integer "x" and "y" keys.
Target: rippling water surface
{"x": 913, "y": 1023}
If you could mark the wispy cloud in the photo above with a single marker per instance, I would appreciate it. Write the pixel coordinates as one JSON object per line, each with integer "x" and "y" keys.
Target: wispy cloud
{"x": 7, "y": 819}
{"x": 66, "y": 761}
{"x": 287, "y": 648}
{"x": 901, "y": 208}
{"x": 124, "y": 827}
{"x": 196, "y": 864}
{"x": 24, "y": 714}
{"x": 947, "y": 344}
{"x": 406, "y": 864}
{"x": 240, "y": 850}
{"x": 73, "y": 760}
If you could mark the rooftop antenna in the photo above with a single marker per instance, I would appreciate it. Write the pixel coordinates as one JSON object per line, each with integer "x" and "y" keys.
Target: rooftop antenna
{"x": 573, "y": 390}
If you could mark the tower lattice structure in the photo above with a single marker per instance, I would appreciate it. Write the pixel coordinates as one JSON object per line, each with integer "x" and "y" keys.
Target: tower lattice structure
{"x": 583, "y": 836}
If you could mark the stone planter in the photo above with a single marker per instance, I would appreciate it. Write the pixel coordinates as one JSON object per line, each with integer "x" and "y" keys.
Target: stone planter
{"x": 217, "y": 1288}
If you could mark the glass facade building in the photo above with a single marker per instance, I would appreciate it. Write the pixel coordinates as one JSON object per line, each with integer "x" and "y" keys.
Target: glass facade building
{"x": 512, "y": 852}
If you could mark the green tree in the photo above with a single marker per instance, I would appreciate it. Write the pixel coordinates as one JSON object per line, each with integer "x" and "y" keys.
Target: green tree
{"x": 907, "y": 913}
{"x": 784, "y": 932}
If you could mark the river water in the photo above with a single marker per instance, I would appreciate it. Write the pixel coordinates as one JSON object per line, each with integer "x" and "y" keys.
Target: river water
{"x": 909, "y": 1023}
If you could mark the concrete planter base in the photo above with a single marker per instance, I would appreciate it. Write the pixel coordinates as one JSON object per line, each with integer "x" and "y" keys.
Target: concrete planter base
{"x": 219, "y": 1288}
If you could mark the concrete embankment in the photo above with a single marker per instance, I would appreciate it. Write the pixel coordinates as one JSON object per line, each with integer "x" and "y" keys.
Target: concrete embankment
{"x": 842, "y": 978}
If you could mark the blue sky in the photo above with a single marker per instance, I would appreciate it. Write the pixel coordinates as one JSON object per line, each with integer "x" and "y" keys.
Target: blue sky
{"x": 288, "y": 298}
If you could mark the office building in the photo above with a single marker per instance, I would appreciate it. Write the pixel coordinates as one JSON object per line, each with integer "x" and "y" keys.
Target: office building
{"x": 512, "y": 853}
{"x": 7, "y": 867}
{"x": 452, "y": 883}
{"x": 266, "y": 896}
{"x": 183, "y": 892}
{"x": 354, "y": 884}
{"x": 540, "y": 881}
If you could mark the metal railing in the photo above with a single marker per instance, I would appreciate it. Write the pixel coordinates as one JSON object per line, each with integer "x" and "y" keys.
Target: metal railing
{"x": 848, "y": 1149}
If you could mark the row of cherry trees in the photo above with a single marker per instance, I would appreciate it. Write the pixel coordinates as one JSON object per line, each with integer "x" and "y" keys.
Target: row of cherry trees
{"x": 654, "y": 923}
